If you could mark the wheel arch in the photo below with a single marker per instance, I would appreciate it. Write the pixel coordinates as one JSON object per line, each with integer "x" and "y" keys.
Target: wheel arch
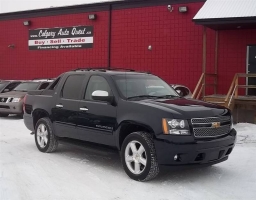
{"x": 128, "y": 127}
{"x": 38, "y": 114}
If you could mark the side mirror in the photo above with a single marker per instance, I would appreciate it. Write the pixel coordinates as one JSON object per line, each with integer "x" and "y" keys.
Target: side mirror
{"x": 6, "y": 90}
{"x": 100, "y": 95}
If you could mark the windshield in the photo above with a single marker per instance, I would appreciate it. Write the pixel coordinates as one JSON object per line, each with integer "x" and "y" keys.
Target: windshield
{"x": 26, "y": 87}
{"x": 143, "y": 85}
{"x": 2, "y": 85}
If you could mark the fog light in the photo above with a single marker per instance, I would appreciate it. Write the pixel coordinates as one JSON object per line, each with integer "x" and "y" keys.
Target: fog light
{"x": 176, "y": 157}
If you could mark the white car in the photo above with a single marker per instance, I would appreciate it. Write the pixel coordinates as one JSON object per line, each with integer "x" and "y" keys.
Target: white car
{"x": 182, "y": 90}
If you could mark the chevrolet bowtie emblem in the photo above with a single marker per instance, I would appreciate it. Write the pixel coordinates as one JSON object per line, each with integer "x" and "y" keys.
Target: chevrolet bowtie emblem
{"x": 215, "y": 124}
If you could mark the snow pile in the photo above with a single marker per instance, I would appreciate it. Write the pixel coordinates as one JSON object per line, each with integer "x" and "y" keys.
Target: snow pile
{"x": 246, "y": 133}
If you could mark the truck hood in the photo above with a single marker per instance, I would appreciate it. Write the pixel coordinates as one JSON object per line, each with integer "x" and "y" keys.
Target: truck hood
{"x": 13, "y": 94}
{"x": 187, "y": 108}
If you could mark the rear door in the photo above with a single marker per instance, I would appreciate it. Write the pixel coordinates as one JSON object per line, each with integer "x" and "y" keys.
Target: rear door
{"x": 252, "y": 69}
{"x": 97, "y": 119}
{"x": 65, "y": 110}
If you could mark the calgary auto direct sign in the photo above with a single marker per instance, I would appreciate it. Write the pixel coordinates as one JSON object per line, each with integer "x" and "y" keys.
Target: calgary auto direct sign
{"x": 61, "y": 38}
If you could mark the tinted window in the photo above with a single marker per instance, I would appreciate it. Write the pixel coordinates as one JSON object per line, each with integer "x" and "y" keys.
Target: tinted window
{"x": 72, "y": 87}
{"x": 97, "y": 83}
{"x": 24, "y": 87}
{"x": 11, "y": 86}
{"x": 43, "y": 86}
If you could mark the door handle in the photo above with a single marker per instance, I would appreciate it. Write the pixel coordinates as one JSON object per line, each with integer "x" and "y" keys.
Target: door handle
{"x": 59, "y": 106}
{"x": 83, "y": 109}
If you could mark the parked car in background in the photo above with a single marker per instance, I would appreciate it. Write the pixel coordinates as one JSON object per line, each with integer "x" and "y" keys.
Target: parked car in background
{"x": 12, "y": 102}
{"x": 182, "y": 90}
{"x": 8, "y": 85}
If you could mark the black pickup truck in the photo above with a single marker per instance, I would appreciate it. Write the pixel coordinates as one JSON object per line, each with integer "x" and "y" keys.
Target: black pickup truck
{"x": 135, "y": 112}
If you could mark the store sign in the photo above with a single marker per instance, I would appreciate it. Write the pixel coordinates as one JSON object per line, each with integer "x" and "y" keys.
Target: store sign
{"x": 61, "y": 38}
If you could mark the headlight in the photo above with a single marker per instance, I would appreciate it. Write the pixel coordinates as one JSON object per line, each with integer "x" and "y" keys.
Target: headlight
{"x": 175, "y": 126}
{"x": 15, "y": 100}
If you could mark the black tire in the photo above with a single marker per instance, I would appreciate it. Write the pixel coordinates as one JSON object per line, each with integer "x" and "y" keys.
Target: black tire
{"x": 52, "y": 142}
{"x": 151, "y": 169}
{"x": 4, "y": 115}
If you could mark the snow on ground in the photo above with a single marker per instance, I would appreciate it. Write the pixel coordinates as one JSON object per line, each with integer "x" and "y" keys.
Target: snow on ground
{"x": 74, "y": 173}
{"x": 247, "y": 133}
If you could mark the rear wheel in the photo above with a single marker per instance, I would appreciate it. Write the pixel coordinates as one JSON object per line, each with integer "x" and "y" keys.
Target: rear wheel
{"x": 139, "y": 156}
{"x": 45, "y": 139}
{"x": 4, "y": 115}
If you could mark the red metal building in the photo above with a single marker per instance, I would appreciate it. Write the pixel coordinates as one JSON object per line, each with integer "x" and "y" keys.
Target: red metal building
{"x": 155, "y": 35}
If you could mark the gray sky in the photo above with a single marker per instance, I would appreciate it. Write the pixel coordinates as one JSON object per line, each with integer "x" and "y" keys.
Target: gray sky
{"x": 18, "y": 5}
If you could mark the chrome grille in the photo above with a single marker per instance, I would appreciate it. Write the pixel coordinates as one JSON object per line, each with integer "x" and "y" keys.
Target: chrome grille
{"x": 206, "y": 127}
{"x": 210, "y": 120}
{"x": 211, "y": 132}
{"x": 3, "y": 100}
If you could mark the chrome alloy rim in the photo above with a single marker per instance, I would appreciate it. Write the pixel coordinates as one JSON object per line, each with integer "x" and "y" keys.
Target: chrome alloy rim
{"x": 42, "y": 135}
{"x": 135, "y": 157}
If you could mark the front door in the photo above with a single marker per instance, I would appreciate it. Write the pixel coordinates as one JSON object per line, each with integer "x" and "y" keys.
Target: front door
{"x": 96, "y": 119}
{"x": 65, "y": 109}
{"x": 251, "y": 69}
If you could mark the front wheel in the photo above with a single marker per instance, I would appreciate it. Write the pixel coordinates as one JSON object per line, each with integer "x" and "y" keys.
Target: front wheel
{"x": 139, "y": 156}
{"x": 45, "y": 139}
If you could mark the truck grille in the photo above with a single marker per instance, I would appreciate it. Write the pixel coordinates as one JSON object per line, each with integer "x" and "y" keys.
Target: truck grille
{"x": 210, "y": 120}
{"x": 211, "y": 132}
{"x": 211, "y": 127}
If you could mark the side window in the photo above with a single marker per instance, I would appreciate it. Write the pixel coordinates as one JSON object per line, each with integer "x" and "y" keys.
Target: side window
{"x": 12, "y": 86}
{"x": 97, "y": 83}
{"x": 72, "y": 87}
{"x": 54, "y": 84}
{"x": 43, "y": 86}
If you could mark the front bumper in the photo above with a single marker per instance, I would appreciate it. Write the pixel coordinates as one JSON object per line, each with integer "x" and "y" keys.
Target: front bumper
{"x": 195, "y": 153}
{"x": 11, "y": 108}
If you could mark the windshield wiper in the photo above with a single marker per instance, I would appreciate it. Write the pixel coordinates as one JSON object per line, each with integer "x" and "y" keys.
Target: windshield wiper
{"x": 168, "y": 96}
{"x": 142, "y": 96}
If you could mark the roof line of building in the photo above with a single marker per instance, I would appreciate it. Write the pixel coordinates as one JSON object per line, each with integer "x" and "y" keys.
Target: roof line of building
{"x": 94, "y": 7}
